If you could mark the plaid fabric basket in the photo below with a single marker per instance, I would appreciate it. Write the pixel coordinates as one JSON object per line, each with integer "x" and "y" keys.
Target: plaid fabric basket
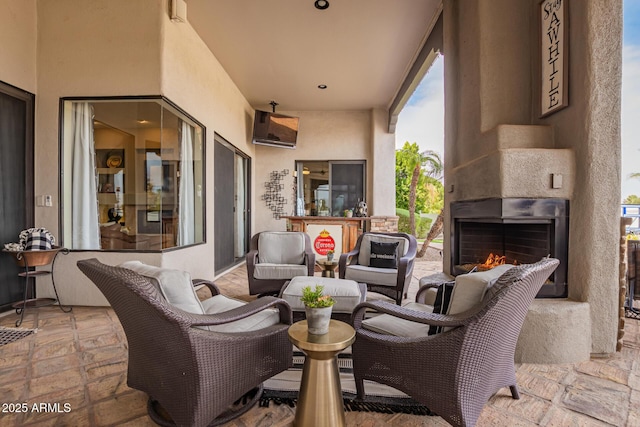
{"x": 36, "y": 239}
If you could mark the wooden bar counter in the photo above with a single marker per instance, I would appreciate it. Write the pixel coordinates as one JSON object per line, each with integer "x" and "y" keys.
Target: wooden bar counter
{"x": 351, "y": 227}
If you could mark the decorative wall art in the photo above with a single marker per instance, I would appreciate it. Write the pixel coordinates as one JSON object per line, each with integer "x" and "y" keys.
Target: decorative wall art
{"x": 553, "y": 29}
{"x": 273, "y": 193}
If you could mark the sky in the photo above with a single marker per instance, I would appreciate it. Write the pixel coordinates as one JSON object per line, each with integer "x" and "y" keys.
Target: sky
{"x": 422, "y": 119}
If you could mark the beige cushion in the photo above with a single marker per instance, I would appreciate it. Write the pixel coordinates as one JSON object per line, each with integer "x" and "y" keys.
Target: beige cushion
{"x": 175, "y": 285}
{"x": 220, "y": 304}
{"x": 177, "y": 288}
{"x": 270, "y": 271}
{"x": 391, "y": 325}
{"x": 365, "y": 246}
{"x": 430, "y": 296}
{"x": 346, "y": 293}
{"x": 470, "y": 288}
{"x": 372, "y": 275}
{"x": 281, "y": 247}
{"x": 467, "y": 292}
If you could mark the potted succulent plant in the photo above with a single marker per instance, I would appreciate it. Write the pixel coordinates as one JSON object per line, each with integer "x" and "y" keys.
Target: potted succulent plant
{"x": 317, "y": 308}
{"x": 330, "y": 255}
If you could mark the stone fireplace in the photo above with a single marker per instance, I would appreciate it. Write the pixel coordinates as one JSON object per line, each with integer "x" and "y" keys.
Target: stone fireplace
{"x": 515, "y": 230}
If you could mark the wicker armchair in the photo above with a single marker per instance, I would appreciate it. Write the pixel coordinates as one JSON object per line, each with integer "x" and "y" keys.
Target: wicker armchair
{"x": 392, "y": 282}
{"x": 277, "y": 257}
{"x": 453, "y": 373}
{"x": 194, "y": 374}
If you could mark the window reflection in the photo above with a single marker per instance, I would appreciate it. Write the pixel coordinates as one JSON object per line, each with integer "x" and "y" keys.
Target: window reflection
{"x": 329, "y": 188}
{"x": 146, "y": 158}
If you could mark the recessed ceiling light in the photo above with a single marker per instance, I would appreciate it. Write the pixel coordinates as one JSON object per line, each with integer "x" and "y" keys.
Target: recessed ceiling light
{"x": 321, "y": 4}
{"x": 142, "y": 121}
{"x": 322, "y": 86}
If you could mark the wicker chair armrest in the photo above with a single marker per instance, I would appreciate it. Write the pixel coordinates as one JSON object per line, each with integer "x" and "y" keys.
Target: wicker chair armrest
{"x": 347, "y": 258}
{"x": 239, "y": 313}
{"x": 412, "y": 251}
{"x": 405, "y": 265}
{"x": 407, "y": 314}
{"x": 252, "y": 257}
{"x": 309, "y": 261}
{"x": 209, "y": 284}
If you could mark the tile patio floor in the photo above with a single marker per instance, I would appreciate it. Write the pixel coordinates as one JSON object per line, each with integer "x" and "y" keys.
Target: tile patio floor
{"x": 80, "y": 359}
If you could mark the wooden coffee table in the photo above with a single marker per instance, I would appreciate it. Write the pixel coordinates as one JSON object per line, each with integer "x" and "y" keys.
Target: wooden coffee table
{"x": 320, "y": 398}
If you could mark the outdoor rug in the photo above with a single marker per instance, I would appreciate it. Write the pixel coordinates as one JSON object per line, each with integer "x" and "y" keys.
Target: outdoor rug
{"x": 283, "y": 389}
{"x": 9, "y": 335}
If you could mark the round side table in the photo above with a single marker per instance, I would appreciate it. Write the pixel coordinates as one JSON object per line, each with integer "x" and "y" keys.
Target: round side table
{"x": 320, "y": 398}
{"x": 328, "y": 267}
{"x": 29, "y": 260}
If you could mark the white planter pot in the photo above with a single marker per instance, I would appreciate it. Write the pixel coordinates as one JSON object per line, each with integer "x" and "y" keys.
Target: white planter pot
{"x": 318, "y": 319}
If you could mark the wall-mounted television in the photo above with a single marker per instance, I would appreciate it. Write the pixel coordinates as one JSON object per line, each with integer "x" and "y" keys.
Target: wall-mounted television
{"x": 276, "y": 130}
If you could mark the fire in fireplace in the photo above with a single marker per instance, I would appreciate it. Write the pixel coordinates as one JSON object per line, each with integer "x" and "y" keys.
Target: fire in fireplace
{"x": 490, "y": 232}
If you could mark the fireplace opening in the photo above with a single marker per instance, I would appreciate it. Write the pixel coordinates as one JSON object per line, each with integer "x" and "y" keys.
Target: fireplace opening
{"x": 515, "y": 231}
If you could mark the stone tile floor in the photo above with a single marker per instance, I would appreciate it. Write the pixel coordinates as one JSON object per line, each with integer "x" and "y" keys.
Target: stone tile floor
{"x": 77, "y": 362}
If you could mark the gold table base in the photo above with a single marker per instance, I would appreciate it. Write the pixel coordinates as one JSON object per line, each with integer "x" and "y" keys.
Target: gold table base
{"x": 320, "y": 399}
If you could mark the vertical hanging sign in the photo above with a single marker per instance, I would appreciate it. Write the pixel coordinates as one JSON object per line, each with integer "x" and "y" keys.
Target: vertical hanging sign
{"x": 554, "y": 56}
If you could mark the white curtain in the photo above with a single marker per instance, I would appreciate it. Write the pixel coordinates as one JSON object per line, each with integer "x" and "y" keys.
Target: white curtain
{"x": 240, "y": 206}
{"x": 84, "y": 188}
{"x": 186, "y": 203}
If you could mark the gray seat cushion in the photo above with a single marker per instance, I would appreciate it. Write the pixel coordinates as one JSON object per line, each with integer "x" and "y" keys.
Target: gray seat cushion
{"x": 220, "y": 304}
{"x": 346, "y": 293}
{"x": 372, "y": 275}
{"x": 391, "y": 325}
{"x": 268, "y": 271}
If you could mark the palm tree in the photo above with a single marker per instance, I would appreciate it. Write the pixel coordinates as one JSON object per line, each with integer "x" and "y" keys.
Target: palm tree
{"x": 429, "y": 164}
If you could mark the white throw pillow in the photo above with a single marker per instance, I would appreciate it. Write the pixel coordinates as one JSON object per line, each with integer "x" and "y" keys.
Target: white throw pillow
{"x": 470, "y": 288}
{"x": 175, "y": 285}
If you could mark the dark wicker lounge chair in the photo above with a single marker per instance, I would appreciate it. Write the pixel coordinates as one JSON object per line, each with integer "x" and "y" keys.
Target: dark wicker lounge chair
{"x": 275, "y": 258}
{"x": 454, "y": 373}
{"x": 194, "y": 374}
{"x": 392, "y": 282}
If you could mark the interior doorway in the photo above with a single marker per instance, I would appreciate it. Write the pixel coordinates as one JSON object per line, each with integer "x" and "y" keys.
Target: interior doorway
{"x": 16, "y": 182}
{"x": 232, "y": 172}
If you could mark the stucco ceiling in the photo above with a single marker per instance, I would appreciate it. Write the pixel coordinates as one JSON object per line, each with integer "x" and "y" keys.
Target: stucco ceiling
{"x": 283, "y": 49}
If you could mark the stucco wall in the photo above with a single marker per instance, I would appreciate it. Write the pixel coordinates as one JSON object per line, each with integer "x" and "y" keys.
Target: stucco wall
{"x": 323, "y": 135}
{"x": 382, "y": 201}
{"x": 88, "y": 49}
{"x": 590, "y": 126}
{"x": 132, "y": 48}
{"x": 489, "y": 82}
{"x": 18, "y": 47}
{"x": 194, "y": 79}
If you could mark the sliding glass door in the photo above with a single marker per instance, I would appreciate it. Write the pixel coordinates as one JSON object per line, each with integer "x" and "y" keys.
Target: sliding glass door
{"x": 232, "y": 204}
{"x": 16, "y": 182}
